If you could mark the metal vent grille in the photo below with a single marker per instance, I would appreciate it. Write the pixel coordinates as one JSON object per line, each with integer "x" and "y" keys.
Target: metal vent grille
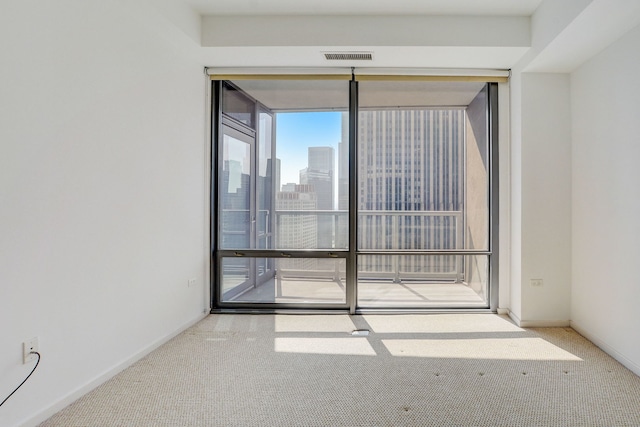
{"x": 348, "y": 56}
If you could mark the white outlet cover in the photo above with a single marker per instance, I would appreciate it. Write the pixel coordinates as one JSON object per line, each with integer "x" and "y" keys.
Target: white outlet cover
{"x": 27, "y": 347}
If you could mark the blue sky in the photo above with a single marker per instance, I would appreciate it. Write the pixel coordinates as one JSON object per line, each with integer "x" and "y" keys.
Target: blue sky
{"x": 295, "y": 132}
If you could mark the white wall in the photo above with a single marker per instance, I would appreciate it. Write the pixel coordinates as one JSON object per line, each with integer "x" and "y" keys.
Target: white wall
{"x": 541, "y": 199}
{"x": 396, "y": 41}
{"x": 546, "y": 199}
{"x": 606, "y": 199}
{"x": 102, "y": 193}
{"x": 515, "y": 198}
{"x": 364, "y": 30}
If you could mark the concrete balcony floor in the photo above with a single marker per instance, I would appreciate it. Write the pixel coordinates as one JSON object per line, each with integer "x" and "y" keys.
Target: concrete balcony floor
{"x": 371, "y": 293}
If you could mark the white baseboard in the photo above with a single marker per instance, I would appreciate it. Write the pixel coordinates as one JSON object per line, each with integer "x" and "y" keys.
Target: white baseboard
{"x": 538, "y": 323}
{"x": 513, "y": 317}
{"x": 503, "y": 311}
{"x": 110, "y": 373}
{"x": 604, "y": 346}
{"x": 544, "y": 323}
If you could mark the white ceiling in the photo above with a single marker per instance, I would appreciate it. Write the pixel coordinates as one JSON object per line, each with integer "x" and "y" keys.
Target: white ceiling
{"x": 364, "y": 7}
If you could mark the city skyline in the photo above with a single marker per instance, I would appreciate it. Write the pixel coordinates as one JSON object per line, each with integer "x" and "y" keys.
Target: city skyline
{"x": 297, "y": 132}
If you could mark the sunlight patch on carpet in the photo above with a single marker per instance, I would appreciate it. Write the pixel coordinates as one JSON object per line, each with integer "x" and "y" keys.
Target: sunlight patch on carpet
{"x": 440, "y": 323}
{"x": 495, "y": 349}
{"x": 314, "y": 323}
{"x": 341, "y": 346}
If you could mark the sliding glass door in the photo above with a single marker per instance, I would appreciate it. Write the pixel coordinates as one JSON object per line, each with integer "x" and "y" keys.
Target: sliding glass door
{"x": 333, "y": 193}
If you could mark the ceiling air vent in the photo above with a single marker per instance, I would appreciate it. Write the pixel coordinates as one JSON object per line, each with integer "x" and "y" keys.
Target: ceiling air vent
{"x": 348, "y": 56}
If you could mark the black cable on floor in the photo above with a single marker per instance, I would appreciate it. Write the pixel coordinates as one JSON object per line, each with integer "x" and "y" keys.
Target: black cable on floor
{"x": 25, "y": 380}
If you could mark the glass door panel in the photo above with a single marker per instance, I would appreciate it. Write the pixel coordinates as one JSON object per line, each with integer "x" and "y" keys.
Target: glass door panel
{"x": 423, "y": 186}
{"x": 236, "y": 189}
{"x": 283, "y": 193}
{"x": 237, "y": 210}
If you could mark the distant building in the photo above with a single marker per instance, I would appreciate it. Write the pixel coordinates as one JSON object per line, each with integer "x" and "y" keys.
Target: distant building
{"x": 410, "y": 164}
{"x": 289, "y": 187}
{"x": 342, "y": 234}
{"x": 296, "y": 230}
{"x": 320, "y": 174}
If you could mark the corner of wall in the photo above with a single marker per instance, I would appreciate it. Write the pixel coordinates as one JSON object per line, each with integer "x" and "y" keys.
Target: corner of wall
{"x": 541, "y": 198}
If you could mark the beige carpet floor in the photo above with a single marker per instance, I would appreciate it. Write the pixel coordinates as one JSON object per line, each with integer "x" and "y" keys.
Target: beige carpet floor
{"x": 410, "y": 370}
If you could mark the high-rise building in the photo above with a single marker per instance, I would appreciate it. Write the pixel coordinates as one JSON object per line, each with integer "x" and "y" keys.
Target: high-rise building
{"x": 297, "y": 230}
{"x": 411, "y": 160}
{"x": 410, "y": 165}
{"x": 321, "y": 158}
{"x": 320, "y": 174}
{"x": 277, "y": 172}
{"x": 342, "y": 233}
{"x": 289, "y": 187}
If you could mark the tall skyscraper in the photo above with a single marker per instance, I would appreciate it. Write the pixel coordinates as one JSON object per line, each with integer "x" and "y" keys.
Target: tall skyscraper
{"x": 277, "y": 174}
{"x": 297, "y": 230}
{"x": 411, "y": 160}
{"x": 321, "y": 158}
{"x": 410, "y": 165}
{"x": 320, "y": 174}
{"x": 342, "y": 233}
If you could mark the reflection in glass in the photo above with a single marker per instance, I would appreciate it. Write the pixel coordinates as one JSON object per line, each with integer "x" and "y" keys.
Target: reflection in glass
{"x": 235, "y": 206}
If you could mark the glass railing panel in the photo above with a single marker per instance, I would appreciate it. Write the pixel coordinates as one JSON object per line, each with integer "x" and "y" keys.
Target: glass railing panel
{"x": 284, "y": 280}
{"x": 423, "y": 281}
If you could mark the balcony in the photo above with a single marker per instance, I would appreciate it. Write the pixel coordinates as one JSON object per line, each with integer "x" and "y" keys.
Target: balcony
{"x": 394, "y": 271}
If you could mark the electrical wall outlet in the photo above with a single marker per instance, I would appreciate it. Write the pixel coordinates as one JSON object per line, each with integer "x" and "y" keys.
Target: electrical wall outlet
{"x": 536, "y": 283}
{"x": 192, "y": 282}
{"x": 27, "y": 347}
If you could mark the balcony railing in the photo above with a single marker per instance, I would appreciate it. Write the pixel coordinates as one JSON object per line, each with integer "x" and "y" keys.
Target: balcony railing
{"x": 394, "y": 244}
